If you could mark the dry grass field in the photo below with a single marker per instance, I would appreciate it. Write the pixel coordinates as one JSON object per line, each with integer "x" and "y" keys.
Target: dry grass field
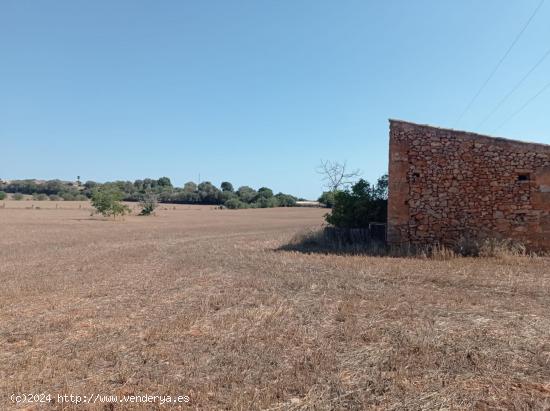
{"x": 200, "y": 302}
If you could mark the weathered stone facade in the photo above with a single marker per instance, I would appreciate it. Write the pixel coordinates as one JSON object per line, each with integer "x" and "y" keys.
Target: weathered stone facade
{"x": 444, "y": 184}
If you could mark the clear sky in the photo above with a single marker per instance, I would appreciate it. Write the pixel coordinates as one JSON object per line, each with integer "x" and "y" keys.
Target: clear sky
{"x": 254, "y": 92}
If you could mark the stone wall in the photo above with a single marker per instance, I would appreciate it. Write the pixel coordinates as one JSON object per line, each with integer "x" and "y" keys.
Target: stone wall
{"x": 445, "y": 184}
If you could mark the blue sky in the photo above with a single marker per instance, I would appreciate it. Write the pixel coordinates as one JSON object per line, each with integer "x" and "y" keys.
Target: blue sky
{"x": 254, "y": 92}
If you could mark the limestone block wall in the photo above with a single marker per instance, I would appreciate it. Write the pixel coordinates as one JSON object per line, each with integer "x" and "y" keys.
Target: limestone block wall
{"x": 444, "y": 184}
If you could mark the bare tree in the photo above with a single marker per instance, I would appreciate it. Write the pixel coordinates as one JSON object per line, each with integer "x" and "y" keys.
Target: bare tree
{"x": 336, "y": 175}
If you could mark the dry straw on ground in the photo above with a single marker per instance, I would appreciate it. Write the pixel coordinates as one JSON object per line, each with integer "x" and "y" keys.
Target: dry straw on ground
{"x": 203, "y": 302}
{"x": 330, "y": 240}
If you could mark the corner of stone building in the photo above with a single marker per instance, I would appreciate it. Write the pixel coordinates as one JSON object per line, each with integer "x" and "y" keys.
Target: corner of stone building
{"x": 444, "y": 182}
{"x": 398, "y": 188}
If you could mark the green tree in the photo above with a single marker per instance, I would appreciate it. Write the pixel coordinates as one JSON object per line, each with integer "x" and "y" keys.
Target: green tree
{"x": 107, "y": 202}
{"x": 208, "y": 193}
{"x": 149, "y": 183}
{"x": 327, "y": 198}
{"x": 228, "y": 195}
{"x": 53, "y": 187}
{"x": 380, "y": 190}
{"x": 164, "y": 182}
{"x": 226, "y": 186}
{"x": 235, "y": 203}
{"x": 265, "y": 192}
{"x": 246, "y": 194}
{"x": 148, "y": 203}
{"x": 285, "y": 200}
{"x": 360, "y": 206}
{"x": 18, "y": 196}
{"x": 3, "y": 195}
{"x": 267, "y": 202}
{"x": 190, "y": 187}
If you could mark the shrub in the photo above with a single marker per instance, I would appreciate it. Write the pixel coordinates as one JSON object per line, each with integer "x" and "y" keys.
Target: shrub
{"x": 148, "y": 203}
{"x": 107, "y": 203}
{"x": 39, "y": 197}
{"x": 55, "y": 197}
{"x": 360, "y": 206}
{"x": 235, "y": 203}
{"x": 119, "y": 209}
{"x": 3, "y": 195}
{"x": 17, "y": 196}
{"x": 67, "y": 196}
{"x": 285, "y": 200}
{"x": 267, "y": 202}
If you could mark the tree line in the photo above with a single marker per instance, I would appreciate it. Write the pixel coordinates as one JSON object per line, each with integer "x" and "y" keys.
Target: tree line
{"x": 162, "y": 188}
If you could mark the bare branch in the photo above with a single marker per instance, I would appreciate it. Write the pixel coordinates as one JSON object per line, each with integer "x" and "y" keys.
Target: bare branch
{"x": 336, "y": 175}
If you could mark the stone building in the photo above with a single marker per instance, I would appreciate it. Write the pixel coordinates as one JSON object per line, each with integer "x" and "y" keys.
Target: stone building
{"x": 445, "y": 184}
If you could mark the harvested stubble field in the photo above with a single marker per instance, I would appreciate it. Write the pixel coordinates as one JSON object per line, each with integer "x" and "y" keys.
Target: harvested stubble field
{"x": 200, "y": 302}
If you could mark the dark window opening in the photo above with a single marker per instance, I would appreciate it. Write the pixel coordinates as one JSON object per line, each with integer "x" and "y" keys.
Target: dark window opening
{"x": 523, "y": 177}
{"x": 520, "y": 218}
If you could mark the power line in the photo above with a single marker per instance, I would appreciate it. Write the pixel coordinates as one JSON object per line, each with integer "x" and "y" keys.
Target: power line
{"x": 518, "y": 36}
{"x": 542, "y": 90}
{"x": 519, "y": 83}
